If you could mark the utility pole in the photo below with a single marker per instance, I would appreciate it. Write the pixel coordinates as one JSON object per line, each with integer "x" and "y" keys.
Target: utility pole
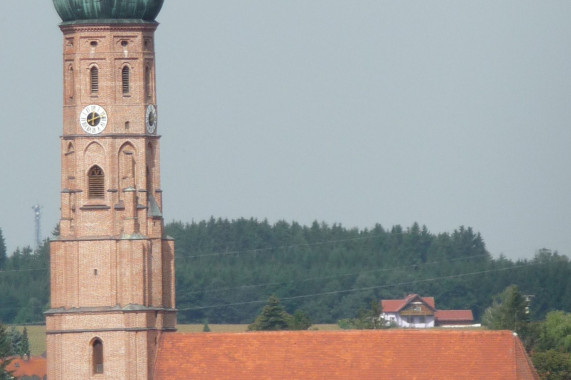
{"x": 528, "y": 298}
{"x": 38, "y": 215}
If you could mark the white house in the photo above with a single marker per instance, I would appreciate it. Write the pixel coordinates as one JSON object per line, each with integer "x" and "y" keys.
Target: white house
{"x": 420, "y": 312}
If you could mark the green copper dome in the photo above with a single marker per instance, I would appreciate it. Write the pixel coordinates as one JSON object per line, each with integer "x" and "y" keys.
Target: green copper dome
{"x": 98, "y": 10}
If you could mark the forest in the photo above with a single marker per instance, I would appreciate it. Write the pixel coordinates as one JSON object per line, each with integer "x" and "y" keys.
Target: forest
{"x": 227, "y": 269}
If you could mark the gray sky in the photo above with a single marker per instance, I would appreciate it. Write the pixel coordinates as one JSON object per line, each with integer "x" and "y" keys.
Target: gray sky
{"x": 356, "y": 112}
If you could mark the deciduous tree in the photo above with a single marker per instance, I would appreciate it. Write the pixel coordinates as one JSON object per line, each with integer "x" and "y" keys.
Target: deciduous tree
{"x": 552, "y": 364}
{"x": 556, "y": 332}
{"x": 367, "y": 319}
{"x": 299, "y": 321}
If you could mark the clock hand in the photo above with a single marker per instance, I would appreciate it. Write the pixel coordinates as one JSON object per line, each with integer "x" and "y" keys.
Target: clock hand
{"x": 92, "y": 120}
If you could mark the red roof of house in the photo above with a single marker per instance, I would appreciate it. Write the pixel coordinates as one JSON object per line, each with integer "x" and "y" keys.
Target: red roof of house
{"x": 344, "y": 355}
{"x": 35, "y": 366}
{"x": 394, "y": 306}
{"x": 443, "y": 316}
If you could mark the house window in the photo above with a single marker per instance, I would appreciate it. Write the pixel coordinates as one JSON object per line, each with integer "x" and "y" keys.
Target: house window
{"x": 97, "y": 348}
{"x": 96, "y": 183}
{"x": 94, "y": 78}
{"x": 125, "y": 79}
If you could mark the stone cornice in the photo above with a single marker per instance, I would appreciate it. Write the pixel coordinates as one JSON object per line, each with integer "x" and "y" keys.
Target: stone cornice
{"x": 131, "y": 308}
{"x": 131, "y": 329}
{"x": 108, "y": 25}
{"x": 111, "y": 136}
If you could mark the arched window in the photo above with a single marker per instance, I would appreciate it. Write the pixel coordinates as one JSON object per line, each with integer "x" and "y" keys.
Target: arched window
{"x": 97, "y": 356}
{"x": 94, "y": 78}
{"x": 125, "y": 79}
{"x": 96, "y": 183}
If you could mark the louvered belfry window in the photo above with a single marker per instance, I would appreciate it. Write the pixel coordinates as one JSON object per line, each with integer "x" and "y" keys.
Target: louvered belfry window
{"x": 96, "y": 183}
{"x": 94, "y": 76}
{"x": 125, "y": 78}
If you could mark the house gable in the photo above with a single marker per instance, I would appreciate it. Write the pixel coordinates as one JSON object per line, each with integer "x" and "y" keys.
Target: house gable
{"x": 395, "y": 306}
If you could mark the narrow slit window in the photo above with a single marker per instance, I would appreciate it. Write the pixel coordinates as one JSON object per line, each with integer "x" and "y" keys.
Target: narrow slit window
{"x": 125, "y": 78}
{"x": 94, "y": 76}
{"x": 96, "y": 183}
{"x": 70, "y": 84}
{"x": 148, "y": 81}
{"x": 97, "y": 356}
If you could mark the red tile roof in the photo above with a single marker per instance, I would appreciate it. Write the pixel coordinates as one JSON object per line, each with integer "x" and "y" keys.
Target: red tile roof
{"x": 445, "y": 316}
{"x": 344, "y": 355}
{"x": 35, "y": 366}
{"x": 394, "y": 306}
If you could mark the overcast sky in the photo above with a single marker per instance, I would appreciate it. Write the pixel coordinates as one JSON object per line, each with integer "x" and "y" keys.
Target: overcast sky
{"x": 357, "y": 112}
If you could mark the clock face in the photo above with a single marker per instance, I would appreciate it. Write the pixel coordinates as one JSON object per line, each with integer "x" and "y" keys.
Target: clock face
{"x": 93, "y": 119}
{"x": 151, "y": 118}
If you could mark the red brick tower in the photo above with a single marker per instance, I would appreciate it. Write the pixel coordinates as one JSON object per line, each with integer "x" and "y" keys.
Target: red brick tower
{"x": 112, "y": 268}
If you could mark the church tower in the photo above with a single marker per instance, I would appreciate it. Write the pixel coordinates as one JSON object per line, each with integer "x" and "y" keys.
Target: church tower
{"x": 112, "y": 268}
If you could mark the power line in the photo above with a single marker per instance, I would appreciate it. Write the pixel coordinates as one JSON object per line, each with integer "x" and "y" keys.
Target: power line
{"x": 334, "y": 276}
{"x": 22, "y": 270}
{"x": 338, "y": 291}
{"x": 289, "y": 246}
{"x": 359, "y": 289}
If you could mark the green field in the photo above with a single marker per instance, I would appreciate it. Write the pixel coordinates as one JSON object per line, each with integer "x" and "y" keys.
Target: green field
{"x": 37, "y": 334}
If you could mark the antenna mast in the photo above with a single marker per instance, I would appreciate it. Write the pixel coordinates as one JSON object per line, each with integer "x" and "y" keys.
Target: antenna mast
{"x": 38, "y": 216}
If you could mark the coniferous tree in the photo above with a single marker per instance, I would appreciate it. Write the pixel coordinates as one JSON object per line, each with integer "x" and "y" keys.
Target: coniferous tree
{"x": 508, "y": 312}
{"x": 15, "y": 339}
{"x": 273, "y": 317}
{"x": 3, "y": 254}
{"x": 25, "y": 345}
{"x": 4, "y": 354}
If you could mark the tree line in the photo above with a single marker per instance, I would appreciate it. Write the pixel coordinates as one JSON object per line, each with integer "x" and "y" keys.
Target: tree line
{"x": 227, "y": 269}
{"x": 24, "y": 284}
